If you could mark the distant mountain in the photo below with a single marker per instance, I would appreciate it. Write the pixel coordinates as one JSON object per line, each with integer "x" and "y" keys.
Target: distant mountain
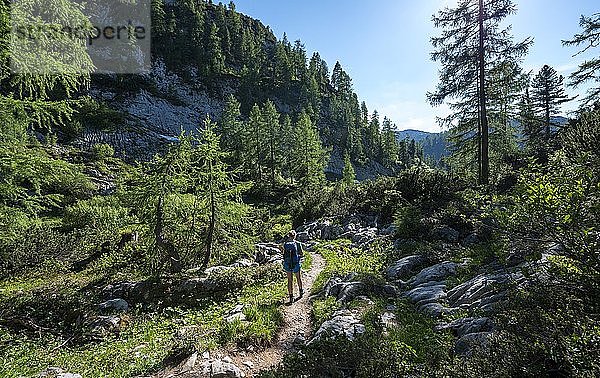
{"x": 417, "y": 135}
{"x": 434, "y": 144}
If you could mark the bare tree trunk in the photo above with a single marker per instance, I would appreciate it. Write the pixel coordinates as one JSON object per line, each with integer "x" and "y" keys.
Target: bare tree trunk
{"x": 162, "y": 243}
{"x": 485, "y": 161}
{"x": 212, "y": 222}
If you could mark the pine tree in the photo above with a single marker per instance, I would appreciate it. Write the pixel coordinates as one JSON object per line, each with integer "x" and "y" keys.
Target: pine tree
{"x": 308, "y": 156}
{"x": 164, "y": 178}
{"x": 547, "y": 94}
{"x": 373, "y": 138}
{"x": 232, "y": 130}
{"x": 588, "y": 71}
{"x": 216, "y": 58}
{"x": 470, "y": 40}
{"x": 389, "y": 144}
{"x": 214, "y": 186}
{"x": 271, "y": 123}
{"x": 505, "y": 91}
{"x": 348, "y": 175}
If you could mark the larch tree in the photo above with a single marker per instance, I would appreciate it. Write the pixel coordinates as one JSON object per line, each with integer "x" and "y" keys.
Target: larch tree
{"x": 470, "y": 44}
{"x": 255, "y": 143}
{"x": 348, "y": 174}
{"x": 389, "y": 143}
{"x": 231, "y": 129}
{"x": 270, "y": 118}
{"x": 547, "y": 94}
{"x": 308, "y": 155}
{"x": 213, "y": 184}
{"x": 589, "y": 70}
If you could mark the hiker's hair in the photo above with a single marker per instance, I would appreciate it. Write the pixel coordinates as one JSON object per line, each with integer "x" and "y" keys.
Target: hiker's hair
{"x": 292, "y": 234}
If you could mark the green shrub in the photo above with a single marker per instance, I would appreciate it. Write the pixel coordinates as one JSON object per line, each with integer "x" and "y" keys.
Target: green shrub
{"x": 407, "y": 220}
{"x": 102, "y": 151}
{"x": 99, "y": 213}
{"x": 412, "y": 348}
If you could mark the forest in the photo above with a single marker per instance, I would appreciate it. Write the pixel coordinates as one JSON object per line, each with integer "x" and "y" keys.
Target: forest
{"x": 137, "y": 243}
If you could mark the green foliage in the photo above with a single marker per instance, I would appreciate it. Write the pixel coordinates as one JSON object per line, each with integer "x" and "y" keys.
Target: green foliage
{"x": 97, "y": 115}
{"x": 407, "y": 220}
{"x": 102, "y": 151}
{"x": 589, "y": 70}
{"x": 323, "y": 309}
{"x": 35, "y": 182}
{"x": 308, "y": 156}
{"x": 480, "y": 64}
{"x": 342, "y": 259}
{"x": 190, "y": 202}
{"x": 410, "y": 348}
{"x": 348, "y": 175}
{"x": 552, "y": 320}
{"x": 98, "y": 213}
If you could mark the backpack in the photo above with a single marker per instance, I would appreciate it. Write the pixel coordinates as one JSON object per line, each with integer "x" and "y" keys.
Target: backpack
{"x": 292, "y": 252}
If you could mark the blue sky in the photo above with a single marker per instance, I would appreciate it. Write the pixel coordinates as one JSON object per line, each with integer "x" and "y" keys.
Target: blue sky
{"x": 384, "y": 45}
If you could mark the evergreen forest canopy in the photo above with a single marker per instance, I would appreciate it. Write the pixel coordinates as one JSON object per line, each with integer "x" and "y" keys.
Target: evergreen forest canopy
{"x": 179, "y": 237}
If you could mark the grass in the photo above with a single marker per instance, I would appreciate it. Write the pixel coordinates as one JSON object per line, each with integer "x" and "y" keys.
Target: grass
{"x": 146, "y": 339}
{"x": 342, "y": 259}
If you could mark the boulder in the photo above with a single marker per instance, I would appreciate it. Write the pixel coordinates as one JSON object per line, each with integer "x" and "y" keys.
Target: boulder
{"x": 473, "y": 293}
{"x": 389, "y": 290}
{"x": 215, "y": 269}
{"x": 303, "y": 236}
{"x": 221, "y": 369}
{"x": 343, "y": 324}
{"x": 102, "y": 326}
{"x": 470, "y": 240}
{"x": 445, "y": 233}
{"x": 342, "y": 290}
{"x": 436, "y": 310}
{"x": 427, "y": 294}
{"x": 242, "y": 263}
{"x": 116, "y": 304}
{"x": 350, "y": 290}
{"x": 466, "y": 343}
{"x": 464, "y": 326}
{"x": 332, "y": 286}
{"x": 402, "y": 268}
{"x": 437, "y": 272}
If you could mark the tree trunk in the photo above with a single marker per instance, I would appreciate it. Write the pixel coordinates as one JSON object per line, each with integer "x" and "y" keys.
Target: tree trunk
{"x": 485, "y": 161}
{"x": 211, "y": 225}
{"x": 163, "y": 244}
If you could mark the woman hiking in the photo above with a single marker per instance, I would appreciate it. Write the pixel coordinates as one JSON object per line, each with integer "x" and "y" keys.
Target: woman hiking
{"x": 292, "y": 253}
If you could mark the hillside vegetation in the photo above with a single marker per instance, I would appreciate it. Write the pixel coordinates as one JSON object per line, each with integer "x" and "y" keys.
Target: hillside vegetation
{"x": 117, "y": 263}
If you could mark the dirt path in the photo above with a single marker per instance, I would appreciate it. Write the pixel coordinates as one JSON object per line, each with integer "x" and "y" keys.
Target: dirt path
{"x": 296, "y": 321}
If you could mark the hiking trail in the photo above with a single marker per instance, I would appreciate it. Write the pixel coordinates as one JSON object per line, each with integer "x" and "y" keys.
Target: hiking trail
{"x": 296, "y": 321}
{"x": 251, "y": 361}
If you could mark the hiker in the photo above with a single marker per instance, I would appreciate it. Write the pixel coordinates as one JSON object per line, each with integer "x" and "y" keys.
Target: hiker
{"x": 292, "y": 253}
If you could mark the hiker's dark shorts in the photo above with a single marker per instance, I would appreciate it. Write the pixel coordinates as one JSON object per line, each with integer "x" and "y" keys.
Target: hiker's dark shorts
{"x": 291, "y": 268}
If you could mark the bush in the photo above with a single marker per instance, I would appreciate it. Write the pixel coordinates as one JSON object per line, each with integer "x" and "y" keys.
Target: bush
{"x": 99, "y": 213}
{"x": 102, "y": 151}
{"x": 407, "y": 220}
{"x": 410, "y": 349}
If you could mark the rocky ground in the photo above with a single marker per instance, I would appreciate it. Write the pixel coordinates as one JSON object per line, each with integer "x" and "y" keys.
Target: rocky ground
{"x": 465, "y": 306}
{"x": 248, "y": 362}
